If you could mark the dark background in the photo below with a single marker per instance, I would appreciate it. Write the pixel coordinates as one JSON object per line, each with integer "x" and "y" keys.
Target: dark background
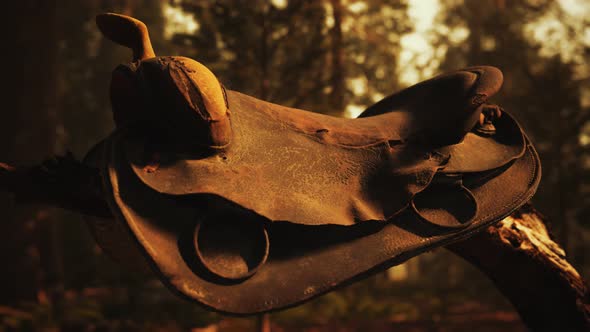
{"x": 330, "y": 56}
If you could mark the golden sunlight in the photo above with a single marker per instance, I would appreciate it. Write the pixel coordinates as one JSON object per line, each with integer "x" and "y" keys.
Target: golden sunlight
{"x": 178, "y": 21}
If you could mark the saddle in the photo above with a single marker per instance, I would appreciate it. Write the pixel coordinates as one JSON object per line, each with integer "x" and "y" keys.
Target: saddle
{"x": 245, "y": 206}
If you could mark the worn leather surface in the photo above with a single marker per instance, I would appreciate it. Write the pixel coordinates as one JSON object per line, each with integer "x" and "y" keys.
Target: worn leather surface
{"x": 305, "y": 261}
{"x": 246, "y": 206}
{"x": 295, "y": 174}
{"x": 333, "y": 212}
{"x": 294, "y": 166}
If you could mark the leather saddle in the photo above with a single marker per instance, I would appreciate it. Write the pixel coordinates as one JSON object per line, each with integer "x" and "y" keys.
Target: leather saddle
{"x": 245, "y": 206}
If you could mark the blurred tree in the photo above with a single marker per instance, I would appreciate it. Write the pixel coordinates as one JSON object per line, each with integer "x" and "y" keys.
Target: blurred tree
{"x": 28, "y": 127}
{"x": 247, "y": 45}
{"x": 315, "y": 55}
{"x": 337, "y": 58}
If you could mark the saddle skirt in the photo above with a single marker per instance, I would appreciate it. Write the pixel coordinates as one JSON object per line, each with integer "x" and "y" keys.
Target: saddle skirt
{"x": 245, "y": 206}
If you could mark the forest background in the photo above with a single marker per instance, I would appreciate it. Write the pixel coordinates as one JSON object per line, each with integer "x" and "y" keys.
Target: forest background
{"x": 330, "y": 56}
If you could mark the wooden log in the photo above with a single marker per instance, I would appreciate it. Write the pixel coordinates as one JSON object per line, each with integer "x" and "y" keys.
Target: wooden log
{"x": 517, "y": 253}
{"x": 531, "y": 270}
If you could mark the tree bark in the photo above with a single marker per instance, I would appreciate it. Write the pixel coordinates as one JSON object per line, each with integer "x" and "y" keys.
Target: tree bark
{"x": 531, "y": 270}
{"x": 517, "y": 253}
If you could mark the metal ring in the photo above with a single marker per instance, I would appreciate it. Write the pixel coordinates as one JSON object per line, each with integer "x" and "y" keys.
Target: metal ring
{"x": 231, "y": 249}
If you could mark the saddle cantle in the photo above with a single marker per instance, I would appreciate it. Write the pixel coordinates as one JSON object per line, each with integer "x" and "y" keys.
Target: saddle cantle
{"x": 246, "y": 206}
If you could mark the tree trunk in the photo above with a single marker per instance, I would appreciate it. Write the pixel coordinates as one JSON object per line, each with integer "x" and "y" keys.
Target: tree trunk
{"x": 263, "y": 323}
{"x": 30, "y": 97}
{"x": 337, "y": 79}
{"x": 264, "y": 56}
{"x": 531, "y": 270}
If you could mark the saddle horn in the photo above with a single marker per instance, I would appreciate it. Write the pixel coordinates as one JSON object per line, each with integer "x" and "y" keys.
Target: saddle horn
{"x": 127, "y": 31}
{"x": 183, "y": 86}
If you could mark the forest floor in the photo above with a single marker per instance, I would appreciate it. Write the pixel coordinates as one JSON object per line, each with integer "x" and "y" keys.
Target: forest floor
{"x": 469, "y": 317}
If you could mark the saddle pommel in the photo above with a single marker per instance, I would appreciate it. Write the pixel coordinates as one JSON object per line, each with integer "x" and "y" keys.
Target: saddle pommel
{"x": 193, "y": 94}
{"x": 177, "y": 95}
